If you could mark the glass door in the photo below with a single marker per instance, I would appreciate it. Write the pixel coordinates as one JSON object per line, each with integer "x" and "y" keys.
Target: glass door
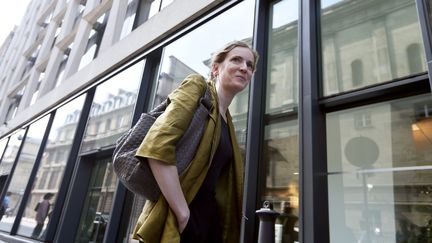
{"x": 98, "y": 202}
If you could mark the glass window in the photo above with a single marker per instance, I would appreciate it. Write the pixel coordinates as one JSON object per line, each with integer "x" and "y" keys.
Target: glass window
{"x": 281, "y": 145}
{"x": 66, "y": 118}
{"x": 98, "y": 203}
{"x": 101, "y": 131}
{"x": 23, "y": 168}
{"x": 369, "y": 43}
{"x": 3, "y": 143}
{"x": 180, "y": 59}
{"x": 380, "y": 172}
{"x": 10, "y": 153}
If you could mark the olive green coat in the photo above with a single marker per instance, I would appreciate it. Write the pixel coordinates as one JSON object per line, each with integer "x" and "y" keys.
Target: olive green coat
{"x": 157, "y": 222}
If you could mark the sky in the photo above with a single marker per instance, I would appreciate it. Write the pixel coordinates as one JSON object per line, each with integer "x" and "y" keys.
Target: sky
{"x": 11, "y": 15}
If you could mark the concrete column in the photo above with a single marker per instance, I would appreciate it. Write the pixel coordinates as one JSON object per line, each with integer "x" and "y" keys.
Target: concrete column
{"x": 80, "y": 41}
{"x": 330, "y": 69}
{"x": 381, "y": 53}
{"x": 44, "y": 51}
{"x": 69, "y": 18}
{"x": 114, "y": 25}
{"x": 49, "y": 81}
{"x": 30, "y": 89}
{"x": 34, "y": 30}
{"x": 17, "y": 61}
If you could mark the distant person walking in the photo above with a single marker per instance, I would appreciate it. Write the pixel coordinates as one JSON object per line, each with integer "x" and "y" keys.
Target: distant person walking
{"x": 42, "y": 210}
{"x": 5, "y": 204}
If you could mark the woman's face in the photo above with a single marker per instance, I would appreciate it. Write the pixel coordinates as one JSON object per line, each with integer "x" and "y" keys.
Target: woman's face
{"x": 235, "y": 72}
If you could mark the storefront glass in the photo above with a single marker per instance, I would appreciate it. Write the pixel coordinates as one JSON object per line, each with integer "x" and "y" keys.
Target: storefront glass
{"x": 10, "y": 154}
{"x": 52, "y": 165}
{"x": 23, "y": 168}
{"x": 281, "y": 144}
{"x": 369, "y": 42}
{"x": 3, "y": 143}
{"x": 98, "y": 203}
{"x": 181, "y": 58}
{"x": 380, "y": 172}
{"x": 112, "y": 108}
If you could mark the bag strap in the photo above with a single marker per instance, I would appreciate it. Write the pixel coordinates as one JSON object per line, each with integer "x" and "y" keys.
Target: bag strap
{"x": 206, "y": 98}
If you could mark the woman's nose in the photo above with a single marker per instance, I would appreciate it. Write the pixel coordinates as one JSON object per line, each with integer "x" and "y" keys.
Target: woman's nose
{"x": 243, "y": 66}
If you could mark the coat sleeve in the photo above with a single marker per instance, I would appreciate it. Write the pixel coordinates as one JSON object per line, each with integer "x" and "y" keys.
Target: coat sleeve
{"x": 160, "y": 141}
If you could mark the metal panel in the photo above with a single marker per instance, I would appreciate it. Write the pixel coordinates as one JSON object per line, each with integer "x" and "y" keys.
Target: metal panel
{"x": 255, "y": 128}
{"x": 313, "y": 181}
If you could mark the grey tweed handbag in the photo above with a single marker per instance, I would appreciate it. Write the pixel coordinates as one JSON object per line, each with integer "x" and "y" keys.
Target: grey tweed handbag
{"x": 134, "y": 172}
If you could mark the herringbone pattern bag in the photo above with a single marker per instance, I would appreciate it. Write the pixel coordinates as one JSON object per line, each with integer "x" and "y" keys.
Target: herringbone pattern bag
{"x": 134, "y": 172}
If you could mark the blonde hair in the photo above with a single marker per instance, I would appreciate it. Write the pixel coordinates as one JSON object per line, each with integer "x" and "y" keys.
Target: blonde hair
{"x": 220, "y": 55}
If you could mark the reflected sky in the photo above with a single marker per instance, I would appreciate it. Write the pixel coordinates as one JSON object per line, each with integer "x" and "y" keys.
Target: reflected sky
{"x": 212, "y": 36}
{"x": 126, "y": 80}
{"x": 326, "y": 3}
{"x": 285, "y": 12}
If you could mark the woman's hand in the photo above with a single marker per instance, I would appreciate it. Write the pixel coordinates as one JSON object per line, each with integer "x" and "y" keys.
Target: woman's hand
{"x": 167, "y": 178}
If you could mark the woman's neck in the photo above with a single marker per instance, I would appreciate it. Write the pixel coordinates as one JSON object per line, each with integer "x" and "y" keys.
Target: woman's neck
{"x": 224, "y": 100}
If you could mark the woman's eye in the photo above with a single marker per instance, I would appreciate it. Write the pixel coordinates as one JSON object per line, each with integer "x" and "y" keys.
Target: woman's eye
{"x": 236, "y": 59}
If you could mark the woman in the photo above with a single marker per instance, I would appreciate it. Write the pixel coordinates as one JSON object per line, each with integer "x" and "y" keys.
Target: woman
{"x": 204, "y": 203}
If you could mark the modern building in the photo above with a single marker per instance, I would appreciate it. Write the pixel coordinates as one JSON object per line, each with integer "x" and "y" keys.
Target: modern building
{"x": 336, "y": 126}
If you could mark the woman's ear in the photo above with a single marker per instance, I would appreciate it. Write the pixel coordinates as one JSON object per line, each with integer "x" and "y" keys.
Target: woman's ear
{"x": 214, "y": 70}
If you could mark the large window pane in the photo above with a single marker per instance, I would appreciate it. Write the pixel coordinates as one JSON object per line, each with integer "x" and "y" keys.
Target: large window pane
{"x": 369, "y": 42}
{"x": 53, "y": 163}
{"x": 23, "y": 168}
{"x": 112, "y": 108}
{"x": 281, "y": 146}
{"x": 98, "y": 202}
{"x": 380, "y": 171}
{"x": 181, "y": 58}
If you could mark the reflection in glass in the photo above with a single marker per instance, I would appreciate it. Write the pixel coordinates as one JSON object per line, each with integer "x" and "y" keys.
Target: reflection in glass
{"x": 9, "y": 155}
{"x": 282, "y": 170}
{"x": 96, "y": 212}
{"x": 3, "y": 143}
{"x": 53, "y": 163}
{"x": 281, "y": 146}
{"x": 380, "y": 171}
{"x": 112, "y": 108}
{"x": 282, "y": 59}
{"x": 23, "y": 168}
{"x": 181, "y": 58}
{"x": 359, "y": 46}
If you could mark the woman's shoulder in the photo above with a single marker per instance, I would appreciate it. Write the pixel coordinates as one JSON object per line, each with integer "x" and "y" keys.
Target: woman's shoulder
{"x": 194, "y": 79}
{"x": 192, "y": 84}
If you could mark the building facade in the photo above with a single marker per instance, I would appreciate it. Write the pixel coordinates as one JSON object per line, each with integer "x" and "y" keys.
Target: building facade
{"x": 335, "y": 128}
